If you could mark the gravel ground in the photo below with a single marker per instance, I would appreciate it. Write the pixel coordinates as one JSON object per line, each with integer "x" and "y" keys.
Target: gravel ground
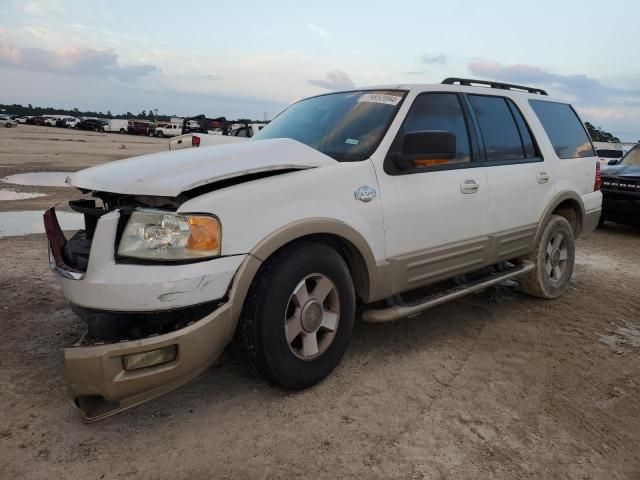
{"x": 497, "y": 385}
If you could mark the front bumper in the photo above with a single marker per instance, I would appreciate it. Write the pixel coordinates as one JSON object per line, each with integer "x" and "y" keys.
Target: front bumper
{"x": 98, "y": 382}
{"x": 100, "y": 386}
{"x": 622, "y": 207}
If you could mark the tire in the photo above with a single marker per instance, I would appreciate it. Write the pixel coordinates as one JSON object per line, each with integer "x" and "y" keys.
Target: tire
{"x": 151, "y": 133}
{"x": 554, "y": 259}
{"x": 122, "y": 130}
{"x": 159, "y": 134}
{"x": 601, "y": 220}
{"x": 270, "y": 308}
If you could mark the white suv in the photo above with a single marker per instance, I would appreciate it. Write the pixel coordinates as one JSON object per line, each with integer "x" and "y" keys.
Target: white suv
{"x": 398, "y": 197}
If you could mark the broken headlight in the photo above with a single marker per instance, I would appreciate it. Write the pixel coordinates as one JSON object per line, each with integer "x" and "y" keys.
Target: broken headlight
{"x": 158, "y": 235}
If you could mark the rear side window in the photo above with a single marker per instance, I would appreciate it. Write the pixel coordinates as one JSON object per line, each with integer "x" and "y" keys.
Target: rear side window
{"x": 566, "y": 133}
{"x": 504, "y": 131}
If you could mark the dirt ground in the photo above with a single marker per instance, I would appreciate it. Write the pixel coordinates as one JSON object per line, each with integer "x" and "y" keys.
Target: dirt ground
{"x": 497, "y": 385}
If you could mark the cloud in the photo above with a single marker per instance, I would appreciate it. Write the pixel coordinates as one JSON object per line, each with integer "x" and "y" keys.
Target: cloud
{"x": 415, "y": 73}
{"x": 336, "y": 80}
{"x": 77, "y": 61}
{"x": 321, "y": 32}
{"x": 584, "y": 89}
{"x": 440, "y": 59}
{"x": 42, "y": 8}
{"x": 210, "y": 77}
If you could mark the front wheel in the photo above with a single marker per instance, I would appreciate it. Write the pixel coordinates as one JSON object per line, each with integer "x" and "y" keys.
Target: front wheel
{"x": 298, "y": 316}
{"x": 554, "y": 258}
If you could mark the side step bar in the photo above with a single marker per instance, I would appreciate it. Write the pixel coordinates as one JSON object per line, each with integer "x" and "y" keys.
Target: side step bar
{"x": 400, "y": 311}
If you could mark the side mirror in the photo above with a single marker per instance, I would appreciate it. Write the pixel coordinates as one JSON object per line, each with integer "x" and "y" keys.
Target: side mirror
{"x": 612, "y": 162}
{"x": 426, "y": 145}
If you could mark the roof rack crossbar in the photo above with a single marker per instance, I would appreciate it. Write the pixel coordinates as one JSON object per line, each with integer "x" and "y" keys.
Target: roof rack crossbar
{"x": 469, "y": 82}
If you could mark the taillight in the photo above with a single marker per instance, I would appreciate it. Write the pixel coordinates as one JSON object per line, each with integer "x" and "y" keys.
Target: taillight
{"x": 596, "y": 184}
{"x": 195, "y": 142}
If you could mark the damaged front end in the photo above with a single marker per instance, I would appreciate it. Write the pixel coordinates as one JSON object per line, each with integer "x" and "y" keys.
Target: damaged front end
{"x": 151, "y": 326}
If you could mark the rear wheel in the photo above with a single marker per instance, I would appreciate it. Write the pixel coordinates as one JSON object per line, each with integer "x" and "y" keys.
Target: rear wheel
{"x": 159, "y": 134}
{"x": 554, "y": 258}
{"x": 298, "y": 316}
{"x": 122, "y": 130}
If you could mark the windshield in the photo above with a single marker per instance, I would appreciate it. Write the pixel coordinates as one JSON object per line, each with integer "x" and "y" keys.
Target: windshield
{"x": 347, "y": 126}
{"x": 631, "y": 158}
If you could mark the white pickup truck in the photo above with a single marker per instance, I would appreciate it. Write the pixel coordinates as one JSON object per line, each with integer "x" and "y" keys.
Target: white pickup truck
{"x": 168, "y": 129}
{"x": 398, "y": 198}
{"x": 238, "y": 134}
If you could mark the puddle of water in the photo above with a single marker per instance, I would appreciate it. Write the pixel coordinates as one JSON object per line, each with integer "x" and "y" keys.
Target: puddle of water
{"x": 13, "y": 195}
{"x": 13, "y": 224}
{"x": 39, "y": 179}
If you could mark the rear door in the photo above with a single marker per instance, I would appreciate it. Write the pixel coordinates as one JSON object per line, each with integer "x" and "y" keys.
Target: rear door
{"x": 520, "y": 180}
{"x": 435, "y": 214}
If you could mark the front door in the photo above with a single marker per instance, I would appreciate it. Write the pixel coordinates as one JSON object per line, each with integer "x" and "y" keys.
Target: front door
{"x": 435, "y": 214}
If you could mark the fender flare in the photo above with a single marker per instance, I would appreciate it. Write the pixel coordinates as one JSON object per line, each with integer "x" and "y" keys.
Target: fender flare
{"x": 374, "y": 287}
{"x": 553, "y": 204}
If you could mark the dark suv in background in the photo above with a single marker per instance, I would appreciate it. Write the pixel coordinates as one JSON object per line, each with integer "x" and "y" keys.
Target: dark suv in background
{"x": 92, "y": 124}
{"x": 621, "y": 189}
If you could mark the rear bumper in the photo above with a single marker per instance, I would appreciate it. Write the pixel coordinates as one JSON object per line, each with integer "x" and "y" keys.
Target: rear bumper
{"x": 100, "y": 386}
{"x": 590, "y": 222}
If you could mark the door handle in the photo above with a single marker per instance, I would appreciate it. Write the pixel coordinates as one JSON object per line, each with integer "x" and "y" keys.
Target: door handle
{"x": 469, "y": 186}
{"x": 543, "y": 177}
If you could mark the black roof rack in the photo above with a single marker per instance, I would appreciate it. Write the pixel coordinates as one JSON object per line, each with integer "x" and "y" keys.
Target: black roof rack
{"x": 469, "y": 82}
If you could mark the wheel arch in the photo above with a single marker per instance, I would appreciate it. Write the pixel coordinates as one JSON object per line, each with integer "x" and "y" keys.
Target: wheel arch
{"x": 350, "y": 244}
{"x": 568, "y": 205}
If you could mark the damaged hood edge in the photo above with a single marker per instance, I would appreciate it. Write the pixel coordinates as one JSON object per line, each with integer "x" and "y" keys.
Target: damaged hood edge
{"x": 168, "y": 174}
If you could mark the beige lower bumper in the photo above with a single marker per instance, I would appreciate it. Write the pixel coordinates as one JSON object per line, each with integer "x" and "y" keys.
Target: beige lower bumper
{"x": 100, "y": 386}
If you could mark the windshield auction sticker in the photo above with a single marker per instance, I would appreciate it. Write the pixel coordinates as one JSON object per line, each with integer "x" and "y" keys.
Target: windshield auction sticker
{"x": 380, "y": 98}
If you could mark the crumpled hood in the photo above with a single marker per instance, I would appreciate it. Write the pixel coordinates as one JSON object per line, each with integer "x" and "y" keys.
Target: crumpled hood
{"x": 168, "y": 174}
{"x": 621, "y": 171}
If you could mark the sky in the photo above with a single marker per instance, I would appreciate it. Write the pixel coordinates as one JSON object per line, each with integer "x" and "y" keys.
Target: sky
{"x": 250, "y": 59}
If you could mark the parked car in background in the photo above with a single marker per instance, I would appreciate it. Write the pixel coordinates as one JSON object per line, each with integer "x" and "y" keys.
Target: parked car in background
{"x": 140, "y": 127}
{"x": 621, "y": 190}
{"x": 116, "y": 125}
{"x": 609, "y": 155}
{"x": 389, "y": 200}
{"x": 220, "y": 133}
{"x": 7, "y": 122}
{"x": 50, "y": 121}
{"x": 23, "y": 119}
{"x": 67, "y": 122}
{"x": 97, "y": 125}
{"x": 168, "y": 129}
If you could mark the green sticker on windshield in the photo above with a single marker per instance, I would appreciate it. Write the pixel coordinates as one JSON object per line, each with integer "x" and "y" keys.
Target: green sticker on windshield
{"x": 352, "y": 141}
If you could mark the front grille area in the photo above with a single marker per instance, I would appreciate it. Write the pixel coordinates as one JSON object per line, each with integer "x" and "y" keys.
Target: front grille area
{"x": 76, "y": 250}
{"x": 621, "y": 184}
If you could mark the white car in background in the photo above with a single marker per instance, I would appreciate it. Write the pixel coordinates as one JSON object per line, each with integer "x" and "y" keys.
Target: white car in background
{"x": 50, "y": 121}
{"x": 23, "y": 119}
{"x": 7, "y": 122}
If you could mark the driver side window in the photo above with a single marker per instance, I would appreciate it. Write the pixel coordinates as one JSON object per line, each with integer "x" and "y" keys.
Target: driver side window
{"x": 437, "y": 112}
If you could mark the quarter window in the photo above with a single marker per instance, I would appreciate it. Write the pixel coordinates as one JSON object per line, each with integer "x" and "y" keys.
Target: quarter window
{"x": 564, "y": 129}
{"x": 503, "y": 130}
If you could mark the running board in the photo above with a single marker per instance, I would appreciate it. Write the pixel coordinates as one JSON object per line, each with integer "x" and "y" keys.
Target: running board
{"x": 400, "y": 311}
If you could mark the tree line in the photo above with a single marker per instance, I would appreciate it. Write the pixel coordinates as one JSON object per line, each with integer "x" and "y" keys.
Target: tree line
{"x": 30, "y": 110}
